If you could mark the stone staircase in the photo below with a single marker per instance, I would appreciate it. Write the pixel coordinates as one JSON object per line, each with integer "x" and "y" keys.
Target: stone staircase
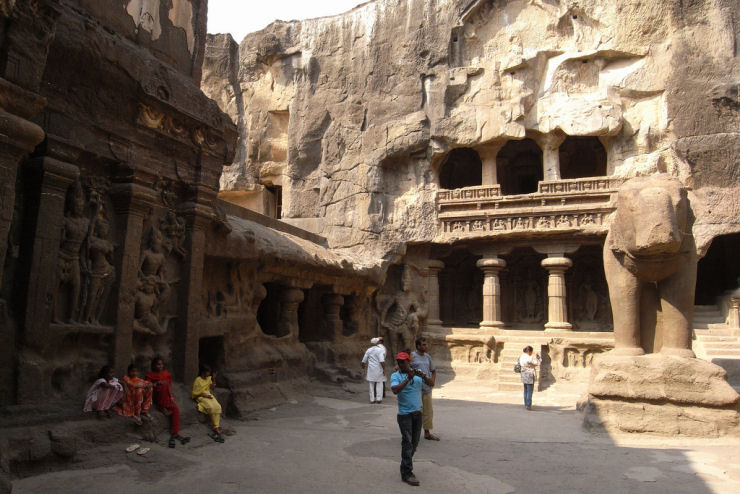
{"x": 716, "y": 342}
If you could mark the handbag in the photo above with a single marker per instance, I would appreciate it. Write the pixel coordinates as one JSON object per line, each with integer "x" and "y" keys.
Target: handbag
{"x": 517, "y": 367}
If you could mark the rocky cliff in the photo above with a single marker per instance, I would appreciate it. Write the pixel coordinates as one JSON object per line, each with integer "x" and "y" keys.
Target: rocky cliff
{"x": 353, "y": 114}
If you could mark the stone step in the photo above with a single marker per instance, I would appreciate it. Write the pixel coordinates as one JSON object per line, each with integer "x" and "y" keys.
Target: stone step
{"x": 711, "y": 325}
{"x": 713, "y": 338}
{"x": 722, "y": 353}
{"x": 706, "y": 308}
{"x": 715, "y": 345}
{"x": 715, "y": 332}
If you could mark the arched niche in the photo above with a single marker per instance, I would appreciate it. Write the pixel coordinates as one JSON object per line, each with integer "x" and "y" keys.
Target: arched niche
{"x": 519, "y": 167}
{"x": 582, "y": 157}
{"x": 461, "y": 168}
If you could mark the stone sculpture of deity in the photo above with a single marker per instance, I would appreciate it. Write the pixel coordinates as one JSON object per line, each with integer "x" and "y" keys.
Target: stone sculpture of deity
{"x": 69, "y": 276}
{"x": 154, "y": 289}
{"x": 100, "y": 270}
{"x": 400, "y": 314}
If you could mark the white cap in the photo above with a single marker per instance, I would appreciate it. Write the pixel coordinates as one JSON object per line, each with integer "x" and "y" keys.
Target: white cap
{"x": 374, "y": 341}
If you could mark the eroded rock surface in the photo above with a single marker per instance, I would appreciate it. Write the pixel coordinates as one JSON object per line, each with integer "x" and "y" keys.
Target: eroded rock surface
{"x": 353, "y": 114}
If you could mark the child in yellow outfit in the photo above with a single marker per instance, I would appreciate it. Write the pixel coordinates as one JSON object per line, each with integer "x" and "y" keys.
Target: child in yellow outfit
{"x": 202, "y": 387}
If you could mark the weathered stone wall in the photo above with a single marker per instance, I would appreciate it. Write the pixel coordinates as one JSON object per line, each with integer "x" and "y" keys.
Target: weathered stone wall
{"x": 354, "y": 113}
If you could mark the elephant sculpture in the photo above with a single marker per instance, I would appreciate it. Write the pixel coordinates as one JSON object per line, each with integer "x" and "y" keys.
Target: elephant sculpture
{"x": 650, "y": 266}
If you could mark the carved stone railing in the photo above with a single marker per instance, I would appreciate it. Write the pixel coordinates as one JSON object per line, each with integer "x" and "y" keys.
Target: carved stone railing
{"x": 580, "y": 205}
{"x": 469, "y": 194}
{"x": 581, "y": 185}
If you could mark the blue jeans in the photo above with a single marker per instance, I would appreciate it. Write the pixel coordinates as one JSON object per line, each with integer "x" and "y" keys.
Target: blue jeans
{"x": 410, "y": 425}
{"x": 528, "y": 390}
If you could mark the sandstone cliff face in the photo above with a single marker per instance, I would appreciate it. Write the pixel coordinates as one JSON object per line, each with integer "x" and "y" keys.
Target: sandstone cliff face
{"x": 353, "y": 114}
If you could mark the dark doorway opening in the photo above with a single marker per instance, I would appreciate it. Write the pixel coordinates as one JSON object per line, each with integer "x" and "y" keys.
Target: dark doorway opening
{"x": 311, "y": 324}
{"x": 211, "y": 352}
{"x": 519, "y": 167}
{"x": 461, "y": 290}
{"x": 268, "y": 314}
{"x": 461, "y": 168}
{"x": 718, "y": 271}
{"x": 582, "y": 157}
{"x": 350, "y": 313}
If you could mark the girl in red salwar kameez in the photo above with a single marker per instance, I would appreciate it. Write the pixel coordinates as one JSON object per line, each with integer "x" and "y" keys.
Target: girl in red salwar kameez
{"x": 164, "y": 398}
{"x": 137, "y": 399}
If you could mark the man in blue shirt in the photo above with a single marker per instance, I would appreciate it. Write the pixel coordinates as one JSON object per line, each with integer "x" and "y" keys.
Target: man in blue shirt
{"x": 406, "y": 385}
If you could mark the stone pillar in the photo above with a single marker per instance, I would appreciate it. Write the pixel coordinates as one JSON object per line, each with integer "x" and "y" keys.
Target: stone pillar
{"x": 290, "y": 299}
{"x": 550, "y": 145}
{"x": 733, "y": 318}
{"x": 51, "y": 180}
{"x": 187, "y": 340}
{"x": 557, "y": 306}
{"x": 132, "y": 203}
{"x": 491, "y": 267}
{"x": 18, "y": 137}
{"x": 432, "y": 275}
{"x": 333, "y": 303}
{"x": 488, "y": 161}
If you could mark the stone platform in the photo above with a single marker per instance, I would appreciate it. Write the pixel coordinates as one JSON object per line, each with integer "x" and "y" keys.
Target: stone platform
{"x": 660, "y": 394}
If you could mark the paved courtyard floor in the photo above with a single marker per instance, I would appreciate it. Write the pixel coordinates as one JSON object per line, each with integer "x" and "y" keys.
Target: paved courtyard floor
{"x": 333, "y": 441}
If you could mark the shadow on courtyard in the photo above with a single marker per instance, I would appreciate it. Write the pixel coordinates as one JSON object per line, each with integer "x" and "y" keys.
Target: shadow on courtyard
{"x": 546, "y": 451}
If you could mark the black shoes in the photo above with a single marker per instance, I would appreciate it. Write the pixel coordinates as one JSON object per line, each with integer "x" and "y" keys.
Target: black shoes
{"x": 411, "y": 480}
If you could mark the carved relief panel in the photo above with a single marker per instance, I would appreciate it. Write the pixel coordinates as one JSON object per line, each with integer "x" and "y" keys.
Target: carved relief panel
{"x": 85, "y": 269}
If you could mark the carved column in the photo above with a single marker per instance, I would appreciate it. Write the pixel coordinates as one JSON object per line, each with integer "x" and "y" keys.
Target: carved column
{"x": 733, "y": 318}
{"x": 333, "y": 303}
{"x": 550, "y": 145}
{"x": 290, "y": 299}
{"x": 51, "y": 179}
{"x": 432, "y": 275}
{"x": 132, "y": 204}
{"x": 557, "y": 306}
{"x": 488, "y": 161}
{"x": 18, "y": 137}
{"x": 187, "y": 339}
{"x": 491, "y": 267}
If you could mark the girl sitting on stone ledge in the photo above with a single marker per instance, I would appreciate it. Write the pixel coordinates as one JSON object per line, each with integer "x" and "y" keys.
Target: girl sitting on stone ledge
{"x": 105, "y": 392}
{"x": 202, "y": 389}
{"x": 138, "y": 398}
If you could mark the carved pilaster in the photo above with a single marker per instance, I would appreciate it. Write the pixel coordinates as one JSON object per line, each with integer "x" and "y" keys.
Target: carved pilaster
{"x": 51, "y": 179}
{"x": 132, "y": 204}
{"x": 491, "y": 267}
{"x": 185, "y": 358}
{"x": 432, "y": 275}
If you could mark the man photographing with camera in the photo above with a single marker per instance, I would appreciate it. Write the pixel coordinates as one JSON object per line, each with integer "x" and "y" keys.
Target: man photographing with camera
{"x": 406, "y": 384}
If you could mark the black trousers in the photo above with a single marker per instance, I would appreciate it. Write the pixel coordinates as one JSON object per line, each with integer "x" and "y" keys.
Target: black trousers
{"x": 410, "y": 425}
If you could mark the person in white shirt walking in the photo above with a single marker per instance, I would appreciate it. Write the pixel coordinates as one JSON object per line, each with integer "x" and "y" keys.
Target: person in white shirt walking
{"x": 529, "y": 365}
{"x": 373, "y": 365}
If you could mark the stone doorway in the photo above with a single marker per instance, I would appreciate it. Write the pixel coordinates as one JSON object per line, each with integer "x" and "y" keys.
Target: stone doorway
{"x": 582, "y": 157}
{"x": 718, "y": 271}
{"x": 462, "y": 168}
{"x": 311, "y": 321}
{"x": 519, "y": 167}
{"x": 268, "y": 314}
{"x": 461, "y": 290}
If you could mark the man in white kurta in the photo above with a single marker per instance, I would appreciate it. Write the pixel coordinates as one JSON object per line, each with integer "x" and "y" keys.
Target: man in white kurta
{"x": 373, "y": 364}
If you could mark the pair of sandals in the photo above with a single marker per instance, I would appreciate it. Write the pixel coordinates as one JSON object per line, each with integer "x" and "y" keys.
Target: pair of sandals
{"x": 139, "y": 450}
{"x": 216, "y": 436}
{"x": 183, "y": 440}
